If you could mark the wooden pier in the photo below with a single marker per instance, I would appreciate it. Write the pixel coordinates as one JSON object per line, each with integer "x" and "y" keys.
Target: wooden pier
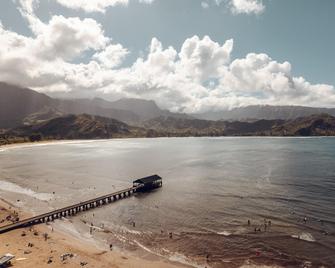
{"x": 74, "y": 209}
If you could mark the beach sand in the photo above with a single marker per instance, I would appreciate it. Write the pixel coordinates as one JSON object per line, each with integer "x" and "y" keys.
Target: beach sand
{"x": 42, "y": 252}
{"x": 85, "y": 253}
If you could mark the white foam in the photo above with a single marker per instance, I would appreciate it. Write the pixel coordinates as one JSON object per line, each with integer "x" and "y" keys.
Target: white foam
{"x": 147, "y": 249}
{"x": 126, "y": 230}
{"x": 225, "y": 233}
{"x": 176, "y": 257}
{"x": 305, "y": 236}
{"x": 183, "y": 260}
{"x": 14, "y": 188}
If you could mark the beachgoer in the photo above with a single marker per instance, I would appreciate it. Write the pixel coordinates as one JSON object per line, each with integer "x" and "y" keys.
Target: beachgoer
{"x": 170, "y": 234}
{"x": 110, "y": 246}
{"x": 91, "y": 228}
{"x": 265, "y": 226}
{"x": 248, "y": 222}
{"x": 305, "y": 220}
{"x": 134, "y": 224}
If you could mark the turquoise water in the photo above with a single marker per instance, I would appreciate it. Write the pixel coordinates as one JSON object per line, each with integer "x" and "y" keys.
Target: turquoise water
{"x": 212, "y": 187}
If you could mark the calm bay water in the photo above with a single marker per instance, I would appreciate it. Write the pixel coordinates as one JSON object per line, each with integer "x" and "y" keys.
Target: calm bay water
{"x": 211, "y": 188}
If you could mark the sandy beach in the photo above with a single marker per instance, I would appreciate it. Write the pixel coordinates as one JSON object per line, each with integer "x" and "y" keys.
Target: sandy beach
{"x": 80, "y": 253}
{"x": 32, "y": 248}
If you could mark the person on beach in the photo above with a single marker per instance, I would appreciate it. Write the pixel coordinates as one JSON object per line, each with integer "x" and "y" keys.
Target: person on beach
{"x": 249, "y": 223}
{"x": 207, "y": 257}
{"x": 45, "y": 235}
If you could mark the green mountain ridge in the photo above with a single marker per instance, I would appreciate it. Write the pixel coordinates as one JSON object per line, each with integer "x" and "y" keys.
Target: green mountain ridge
{"x": 96, "y": 127}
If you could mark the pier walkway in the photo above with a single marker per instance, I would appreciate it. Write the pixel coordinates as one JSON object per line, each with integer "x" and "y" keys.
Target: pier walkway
{"x": 72, "y": 210}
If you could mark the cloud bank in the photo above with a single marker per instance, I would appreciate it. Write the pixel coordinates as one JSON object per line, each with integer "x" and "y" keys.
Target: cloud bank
{"x": 201, "y": 76}
{"x": 247, "y": 6}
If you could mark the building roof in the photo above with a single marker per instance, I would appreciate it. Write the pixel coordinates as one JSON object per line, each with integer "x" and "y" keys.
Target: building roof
{"x": 148, "y": 179}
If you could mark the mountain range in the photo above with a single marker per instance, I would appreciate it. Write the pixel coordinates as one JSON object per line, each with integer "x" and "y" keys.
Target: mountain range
{"x": 23, "y": 106}
{"x": 28, "y": 115}
{"x": 268, "y": 112}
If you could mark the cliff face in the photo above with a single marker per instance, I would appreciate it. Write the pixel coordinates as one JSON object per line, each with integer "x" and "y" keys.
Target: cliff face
{"x": 16, "y": 103}
{"x": 76, "y": 127}
{"x": 314, "y": 125}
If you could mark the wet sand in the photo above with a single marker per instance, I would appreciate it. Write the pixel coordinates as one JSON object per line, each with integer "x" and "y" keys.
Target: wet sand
{"x": 32, "y": 249}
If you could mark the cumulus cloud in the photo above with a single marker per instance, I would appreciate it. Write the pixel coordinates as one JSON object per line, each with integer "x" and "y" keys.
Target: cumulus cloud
{"x": 239, "y": 6}
{"x": 247, "y": 6}
{"x": 204, "y": 4}
{"x": 201, "y": 76}
{"x": 112, "y": 56}
{"x": 96, "y": 5}
{"x": 202, "y": 59}
{"x": 84, "y": 5}
{"x": 91, "y": 5}
{"x": 67, "y": 38}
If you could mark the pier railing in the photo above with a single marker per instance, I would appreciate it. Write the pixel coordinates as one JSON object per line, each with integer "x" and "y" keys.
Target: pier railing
{"x": 71, "y": 210}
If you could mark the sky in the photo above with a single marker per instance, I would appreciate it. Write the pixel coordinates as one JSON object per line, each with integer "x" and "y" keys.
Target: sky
{"x": 187, "y": 55}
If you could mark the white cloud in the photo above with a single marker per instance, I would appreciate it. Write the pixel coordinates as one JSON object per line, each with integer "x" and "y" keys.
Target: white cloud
{"x": 202, "y": 59}
{"x": 111, "y": 56}
{"x": 199, "y": 77}
{"x": 204, "y": 4}
{"x": 91, "y": 5}
{"x": 67, "y": 38}
{"x": 96, "y": 5}
{"x": 86, "y": 5}
{"x": 146, "y": 1}
{"x": 247, "y": 6}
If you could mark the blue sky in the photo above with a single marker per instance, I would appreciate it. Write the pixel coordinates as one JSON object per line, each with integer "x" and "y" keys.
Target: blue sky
{"x": 299, "y": 32}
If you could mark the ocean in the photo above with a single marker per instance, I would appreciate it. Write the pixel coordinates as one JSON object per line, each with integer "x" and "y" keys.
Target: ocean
{"x": 212, "y": 187}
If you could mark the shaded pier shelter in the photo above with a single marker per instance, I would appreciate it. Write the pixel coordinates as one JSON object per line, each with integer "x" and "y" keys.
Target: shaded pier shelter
{"x": 148, "y": 183}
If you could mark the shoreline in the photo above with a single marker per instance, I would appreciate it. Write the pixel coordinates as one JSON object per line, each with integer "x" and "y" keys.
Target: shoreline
{"x": 15, "y": 145}
{"x": 32, "y": 249}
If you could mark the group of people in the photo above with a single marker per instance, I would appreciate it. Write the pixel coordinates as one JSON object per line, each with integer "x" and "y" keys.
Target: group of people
{"x": 266, "y": 226}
